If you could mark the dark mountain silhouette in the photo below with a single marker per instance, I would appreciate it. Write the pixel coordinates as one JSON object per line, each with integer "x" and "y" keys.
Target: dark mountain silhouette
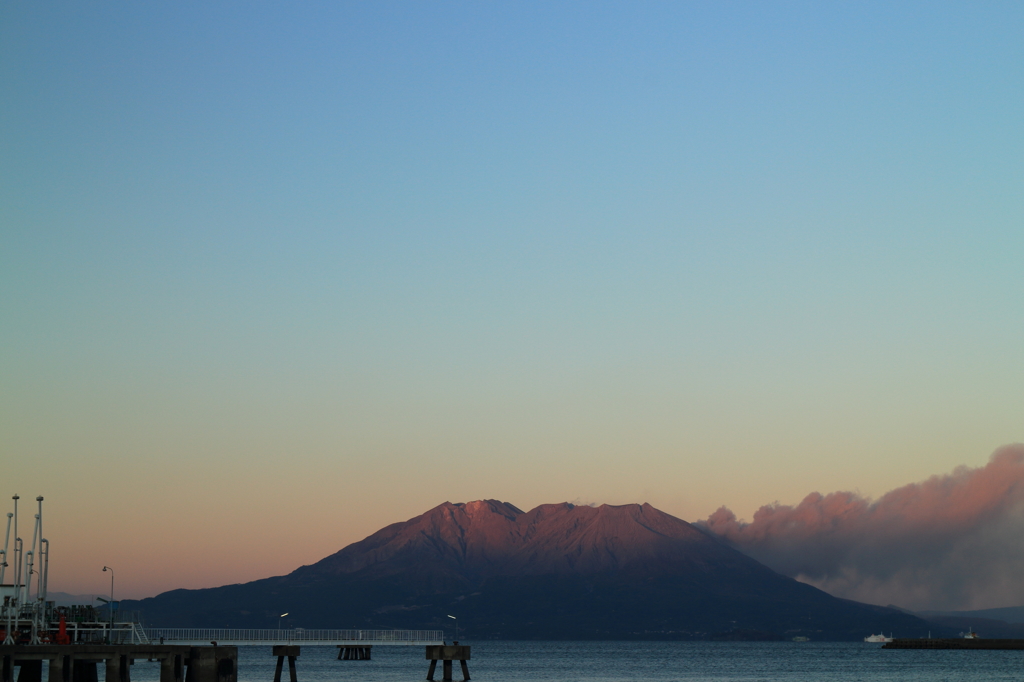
{"x": 556, "y": 572}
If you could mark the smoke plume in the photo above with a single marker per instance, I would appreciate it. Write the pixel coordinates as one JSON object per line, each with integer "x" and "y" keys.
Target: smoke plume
{"x": 952, "y": 542}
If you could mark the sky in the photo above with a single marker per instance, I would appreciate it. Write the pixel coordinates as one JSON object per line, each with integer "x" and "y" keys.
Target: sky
{"x": 274, "y": 276}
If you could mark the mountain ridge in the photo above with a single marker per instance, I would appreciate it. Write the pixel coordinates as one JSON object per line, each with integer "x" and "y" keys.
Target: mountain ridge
{"x": 558, "y": 571}
{"x": 510, "y": 541}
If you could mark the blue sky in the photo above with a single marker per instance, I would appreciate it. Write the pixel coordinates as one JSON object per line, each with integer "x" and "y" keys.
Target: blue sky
{"x": 687, "y": 253}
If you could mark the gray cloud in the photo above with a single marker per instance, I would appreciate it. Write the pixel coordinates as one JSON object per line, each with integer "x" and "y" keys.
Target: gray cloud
{"x": 954, "y": 541}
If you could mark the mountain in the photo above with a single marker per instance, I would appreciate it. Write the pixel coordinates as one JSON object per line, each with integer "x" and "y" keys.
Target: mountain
{"x": 559, "y": 571}
{"x": 65, "y": 599}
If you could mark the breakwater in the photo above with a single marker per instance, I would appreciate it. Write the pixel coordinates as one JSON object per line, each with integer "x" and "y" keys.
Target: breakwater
{"x": 958, "y": 643}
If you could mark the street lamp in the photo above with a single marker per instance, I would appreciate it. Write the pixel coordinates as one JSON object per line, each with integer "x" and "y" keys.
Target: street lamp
{"x": 110, "y": 604}
{"x": 105, "y": 569}
{"x": 279, "y": 619}
{"x": 456, "y": 627}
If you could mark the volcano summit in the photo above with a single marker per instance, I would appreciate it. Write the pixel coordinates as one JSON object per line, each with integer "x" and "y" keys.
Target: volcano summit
{"x": 558, "y": 571}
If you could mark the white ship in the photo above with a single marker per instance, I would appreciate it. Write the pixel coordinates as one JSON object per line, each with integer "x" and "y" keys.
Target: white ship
{"x": 878, "y": 638}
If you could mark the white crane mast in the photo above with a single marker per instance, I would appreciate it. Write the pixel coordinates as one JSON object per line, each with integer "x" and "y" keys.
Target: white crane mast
{"x": 26, "y": 617}
{"x": 7, "y": 541}
{"x": 15, "y": 602}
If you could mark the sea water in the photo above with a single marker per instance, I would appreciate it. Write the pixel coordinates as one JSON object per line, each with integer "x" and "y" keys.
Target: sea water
{"x": 627, "y": 661}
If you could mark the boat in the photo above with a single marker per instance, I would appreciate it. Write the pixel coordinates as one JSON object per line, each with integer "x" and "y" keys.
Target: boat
{"x": 879, "y": 638}
{"x": 970, "y": 634}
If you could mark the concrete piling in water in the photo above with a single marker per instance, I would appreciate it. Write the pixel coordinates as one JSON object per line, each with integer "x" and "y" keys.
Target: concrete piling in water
{"x": 350, "y": 652}
{"x": 118, "y": 668}
{"x": 281, "y": 651}
{"x": 60, "y": 669}
{"x": 172, "y": 668}
{"x": 211, "y": 664}
{"x": 447, "y": 654}
{"x": 84, "y": 671}
{"x": 30, "y": 671}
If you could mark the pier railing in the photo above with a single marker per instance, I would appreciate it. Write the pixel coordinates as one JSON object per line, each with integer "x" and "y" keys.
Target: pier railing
{"x": 296, "y": 636}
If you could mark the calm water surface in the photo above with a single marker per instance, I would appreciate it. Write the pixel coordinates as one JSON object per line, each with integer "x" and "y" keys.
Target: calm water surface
{"x": 622, "y": 661}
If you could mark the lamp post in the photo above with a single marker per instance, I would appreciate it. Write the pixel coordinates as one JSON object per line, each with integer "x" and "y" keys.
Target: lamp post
{"x": 279, "y": 620}
{"x": 110, "y": 604}
{"x": 456, "y": 627}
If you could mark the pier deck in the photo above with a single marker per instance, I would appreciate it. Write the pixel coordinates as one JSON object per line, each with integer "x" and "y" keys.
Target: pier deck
{"x": 79, "y": 662}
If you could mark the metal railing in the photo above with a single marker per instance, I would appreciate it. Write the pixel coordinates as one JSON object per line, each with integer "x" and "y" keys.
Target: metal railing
{"x": 297, "y": 636}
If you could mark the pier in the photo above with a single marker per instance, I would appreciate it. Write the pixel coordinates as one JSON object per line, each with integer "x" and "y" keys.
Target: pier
{"x": 78, "y": 662}
{"x": 67, "y": 644}
{"x": 298, "y": 636}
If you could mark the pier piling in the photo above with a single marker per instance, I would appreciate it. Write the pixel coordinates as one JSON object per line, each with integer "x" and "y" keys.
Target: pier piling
{"x": 447, "y": 654}
{"x": 30, "y": 671}
{"x": 83, "y": 671}
{"x": 60, "y": 669}
{"x": 292, "y": 652}
{"x": 172, "y": 668}
{"x": 351, "y": 652}
{"x": 117, "y": 669}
